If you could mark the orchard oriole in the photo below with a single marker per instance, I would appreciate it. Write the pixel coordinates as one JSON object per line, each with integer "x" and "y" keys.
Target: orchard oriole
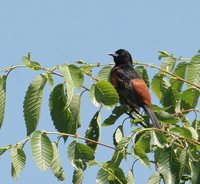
{"x": 131, "y": 88}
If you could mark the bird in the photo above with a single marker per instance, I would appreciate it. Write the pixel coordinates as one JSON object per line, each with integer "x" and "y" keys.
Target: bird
{"x": 131, "y": 88}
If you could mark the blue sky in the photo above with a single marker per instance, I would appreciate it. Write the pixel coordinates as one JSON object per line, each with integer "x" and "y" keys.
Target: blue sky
{"x": 67, "y": 30}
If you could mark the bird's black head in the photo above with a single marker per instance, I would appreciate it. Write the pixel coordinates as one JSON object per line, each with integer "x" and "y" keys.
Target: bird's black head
{"x": 122, "y": 57}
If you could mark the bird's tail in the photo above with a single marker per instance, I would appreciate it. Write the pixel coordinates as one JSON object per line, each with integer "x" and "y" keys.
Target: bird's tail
{"x": 152, "y": 116}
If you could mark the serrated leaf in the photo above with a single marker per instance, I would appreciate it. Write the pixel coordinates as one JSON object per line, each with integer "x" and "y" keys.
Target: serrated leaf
{"x": 79, "y": 154}
{"x": 2, "y": 98}
{"x": 168, "y": 65}
{"x": 73, "y": 79}
{"x": 94, "y": 131}
{"x": 61, "y": 116}
{"x": 118, "y": 135}
{"x": 143, "y": 73}
{"x": 179, "y": 71}
{"x": 193, "y": 71}
{"x": 189, "y": 98}
{"x": 116, "y": 113}
{"x": 155, "y": 178}
{"x": 78, "y": 176}
{"x": 18, "y": 162}
{"x": 105, "y": 93}
{"x": 169, "y": 166}
{"x": 56, "y": 163}
{"x": 142, "y": 147}
{"x": 130, "y": 177}
{"x": 183, "y": 157}
{"x": 75, "y": 107}
{"x": 32, "y": 103}
{"x": 42, "y": 150}
{"x": 104, "y": 73}
{"x": 195, "y": 170}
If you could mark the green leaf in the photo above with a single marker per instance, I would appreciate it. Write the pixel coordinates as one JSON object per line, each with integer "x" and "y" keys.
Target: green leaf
{"x": 105, "y": 93}
{"x": 155, "y": 178}
{"x": 169, "y": 166}
{"x": 109, "y": 175}
{"x": 31, "y": 64}
{"x": 73, "y": 78}
{"x": 104, "y": 73}
{"x": 142, "y": 147}
{"x": 2, "y": 98}
{"x": 4, "y": 149}
{"x": 157, "y": 85}
{"x": 92, "y": 96}
{"x": 180, "y": 71}
{"x": 32, "y": 103}
{"x": 182, "y": 131}
{"x": 56, "y": 163}
{"x": 78, "y": 176}
{"x": 168, "y": 65}
{"x": 158, "y": 139}
{"x": 75, "y": 107}
{"x": 166, "y": 118}
{"x": 195, "y": 178}
{"x": 50, "y": 79}
{"x": 183, "y": 157}
{"x": 118, "y": 135}
{"x": 79, "y": 154}
{"x": 94, "y": 131}
{"x": 116, "y": 113}
{"x": 189, "y": 98}
{"x": 163, "y": 53}
{"x": 18, "y": 162}
{"x": 60, "y": 115}
{"x": 42, "y": 150}
{"x": 193, "y": 71}
{"x": 130, "y": 177}
{"x": 143, "y": 73}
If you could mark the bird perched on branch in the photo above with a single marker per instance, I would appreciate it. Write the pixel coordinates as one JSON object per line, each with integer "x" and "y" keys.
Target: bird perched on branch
{"x": 131, "y": 88}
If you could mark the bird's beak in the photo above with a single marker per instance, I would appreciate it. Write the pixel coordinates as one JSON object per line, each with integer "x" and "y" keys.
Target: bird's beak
{"x": 113, "y": 54}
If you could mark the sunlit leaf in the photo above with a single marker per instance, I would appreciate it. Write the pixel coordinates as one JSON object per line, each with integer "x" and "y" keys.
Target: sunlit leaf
{"x": 155, "y": 178}
{"x": 50, "y": 79}
{"x": 193, "y": 71}
{"x": 163, "y": 53}
{"x": 168, "y": 65}
{"x": 2, "y": 98}
{"x": 78, "y": 176}
{"x": 105, "y": 93}
{"x": 94, "y": 131}
{"x": 130, "y": 177}
{"x": 104, "y": 73}
{"x": 42, "y": 150}
{"x": 32, "y": 103}
{"x": 189, "y": 98}
{"x": 169, "y": 166}
{"x": 180, "y": 71}
{"x": 4, "y": 149}
{"x": 118, "y": 135}
{"x": 18, "y": 162}
{"x": 56, "y": 163}
{"x": 73, "y": 79}
{"x": 166, "y": 118}
{"x": 31, "y": 64}
{"x": 79, "y": 154}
